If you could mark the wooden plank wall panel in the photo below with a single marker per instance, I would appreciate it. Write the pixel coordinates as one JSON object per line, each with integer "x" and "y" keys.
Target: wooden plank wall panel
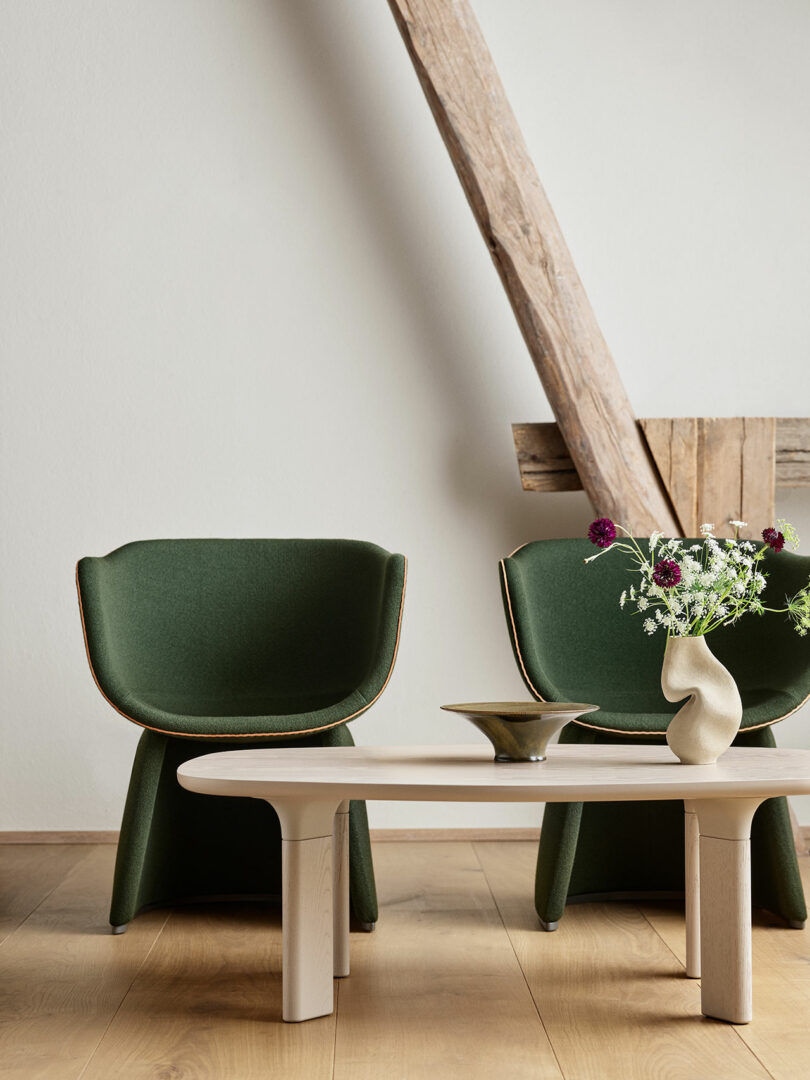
{"x": 674, "y": 447}
{"x": 714, "y": 469}
{"x": 543, "y": 459}
{"x": 758, "y": 484}
{"x": 792, "y": 452}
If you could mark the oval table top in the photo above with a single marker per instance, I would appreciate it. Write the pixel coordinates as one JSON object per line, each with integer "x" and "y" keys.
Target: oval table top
{"x": 571, "y": 773}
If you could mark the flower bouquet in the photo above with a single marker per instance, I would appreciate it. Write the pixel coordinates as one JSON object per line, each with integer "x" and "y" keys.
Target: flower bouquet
{"x": 687, "y": 589}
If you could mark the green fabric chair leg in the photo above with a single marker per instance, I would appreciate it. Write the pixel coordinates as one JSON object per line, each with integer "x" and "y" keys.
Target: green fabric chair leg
{"x": 602, "y": 851}
{"x": 362, "y": 886}
{"x": 178, "y": 846}
{"x": 776, "y": 883}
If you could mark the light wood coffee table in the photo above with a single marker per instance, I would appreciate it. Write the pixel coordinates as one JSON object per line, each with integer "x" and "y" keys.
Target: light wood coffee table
{"x": 310, "y": 788}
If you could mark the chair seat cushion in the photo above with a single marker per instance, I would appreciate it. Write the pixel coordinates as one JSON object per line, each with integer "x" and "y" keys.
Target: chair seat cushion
{"x": 241, "y": 716}
{"x": 760, "y": 707}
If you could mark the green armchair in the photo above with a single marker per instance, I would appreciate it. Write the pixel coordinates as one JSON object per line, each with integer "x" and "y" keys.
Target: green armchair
{"x": 572, "y": 643}
{"x": 220, "y": 644}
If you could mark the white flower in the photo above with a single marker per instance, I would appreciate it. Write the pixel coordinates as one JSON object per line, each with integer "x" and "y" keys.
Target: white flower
{"x": 632, "y": 592}
{"x": 706, "y": 529}
{"x": 650, "y": 626}
{"x": 623, "y": 598}
{"x": 739, "y": 524}
{"x": 659, "y": 615}
{"x": 643, "y": 603}
{"x": 759, "y": 582}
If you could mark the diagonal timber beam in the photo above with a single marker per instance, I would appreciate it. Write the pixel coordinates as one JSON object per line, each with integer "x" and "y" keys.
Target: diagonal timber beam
{"x": 572, "y": 359}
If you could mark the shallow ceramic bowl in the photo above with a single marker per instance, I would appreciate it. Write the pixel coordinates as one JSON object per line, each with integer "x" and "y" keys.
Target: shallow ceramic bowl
{"x": 520, "y": 730}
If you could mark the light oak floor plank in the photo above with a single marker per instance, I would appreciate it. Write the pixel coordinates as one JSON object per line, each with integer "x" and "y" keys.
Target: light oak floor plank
{"x": 207, "y": 1006}
{"x": 436, "y": 990}
{"x": 442, "y": 989}
{"x": 63, "y": 974}
{"x": 780, "y": 1032}
{"x": 614, "y": 999}
{"x": 28, "y": 874}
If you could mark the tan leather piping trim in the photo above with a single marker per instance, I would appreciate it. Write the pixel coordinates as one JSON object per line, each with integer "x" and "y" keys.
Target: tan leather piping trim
{"x": 249, "y": 735}
{"x": 520, "y": 547}
{"x": 596, "y": 727}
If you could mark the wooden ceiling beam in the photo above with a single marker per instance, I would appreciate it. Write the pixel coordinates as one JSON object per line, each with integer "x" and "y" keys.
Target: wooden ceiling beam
{"x": 520, "y": 230}
{"x": 713, "y": 468}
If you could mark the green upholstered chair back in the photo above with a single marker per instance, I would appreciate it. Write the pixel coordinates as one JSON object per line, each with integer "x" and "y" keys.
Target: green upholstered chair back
{"x": 217, "y": 636}
{"x": 573, "y": 643}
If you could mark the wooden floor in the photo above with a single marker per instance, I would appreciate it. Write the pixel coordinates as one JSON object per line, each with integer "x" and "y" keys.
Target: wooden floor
{"x": 456, "y": 982}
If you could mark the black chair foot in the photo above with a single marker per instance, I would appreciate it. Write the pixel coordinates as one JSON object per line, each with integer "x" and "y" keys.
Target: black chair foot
{"x": 365, "y": 927}
{"x": 122, "y": 929}
{"x": 548, "y": 926}
{"x": 796, "y": 924}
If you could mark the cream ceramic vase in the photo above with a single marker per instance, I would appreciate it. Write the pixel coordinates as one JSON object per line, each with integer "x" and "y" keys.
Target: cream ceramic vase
{"x": 706, "y": 725}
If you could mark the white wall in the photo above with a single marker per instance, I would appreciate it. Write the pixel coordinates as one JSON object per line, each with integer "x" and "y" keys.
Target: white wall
{"x": 243, "y": 295}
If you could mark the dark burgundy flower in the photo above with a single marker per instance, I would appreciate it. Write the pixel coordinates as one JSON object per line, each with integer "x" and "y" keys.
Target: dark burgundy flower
{"x": 666, "y": 573}
{"x": 602, "y": 532}
{"x": 773, "y": 539}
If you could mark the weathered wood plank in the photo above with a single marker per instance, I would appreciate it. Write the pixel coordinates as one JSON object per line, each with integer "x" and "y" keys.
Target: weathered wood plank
{"x": 673, "y": 445}
{"x": 543, "y": 459}
{"x": 793, "y": 452}
{"x": 719, "y": 471}
{"x": 572, "y": 359}
{"x": 758, "y": 474}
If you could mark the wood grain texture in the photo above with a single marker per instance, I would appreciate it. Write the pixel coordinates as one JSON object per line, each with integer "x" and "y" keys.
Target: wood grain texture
{"x": 735, "y": 475}
{"x": 614, "y": 1000}
{"x": 543, "y": 459}
{"x": 306, "y": 778}
{"x": 793, "y": 452}
{"x": 436, "y": 991}
{"x": 674, "y": 447}
{"x": 523, "y": 236}
{"x": 206, "y": 1002}
{"x": 58, "y": 836}
{"x": 207, "y": 1006}
{"x": 780, "y": 1032}
{"x": 64, "y": 974}
{"x": 545, "y": 464}
{"x": 28, "y": 875}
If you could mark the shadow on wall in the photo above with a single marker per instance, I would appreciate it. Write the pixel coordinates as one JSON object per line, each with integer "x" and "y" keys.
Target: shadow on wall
{"x": 327, "y": 41}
